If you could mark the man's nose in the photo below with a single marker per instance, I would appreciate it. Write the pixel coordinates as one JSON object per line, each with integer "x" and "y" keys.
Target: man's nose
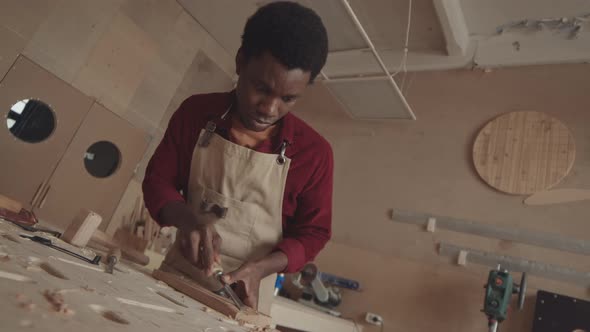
{"x": 269, "y": 107}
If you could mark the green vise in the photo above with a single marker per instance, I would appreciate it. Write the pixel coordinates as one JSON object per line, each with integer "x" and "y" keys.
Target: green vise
{"x": 499, "y": 290}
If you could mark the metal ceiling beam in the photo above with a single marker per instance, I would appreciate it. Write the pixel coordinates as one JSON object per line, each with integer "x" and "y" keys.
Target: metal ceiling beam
{"x": 452, "y": 21}
{"x": 367, "y": 39}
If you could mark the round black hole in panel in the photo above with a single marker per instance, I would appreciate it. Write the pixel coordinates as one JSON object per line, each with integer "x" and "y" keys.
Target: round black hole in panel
{"x": 102, "y": 159}
{"x": 31, "y": 120}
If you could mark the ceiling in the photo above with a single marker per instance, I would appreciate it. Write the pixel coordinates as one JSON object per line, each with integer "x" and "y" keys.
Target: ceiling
{"x": 444, "y": 34}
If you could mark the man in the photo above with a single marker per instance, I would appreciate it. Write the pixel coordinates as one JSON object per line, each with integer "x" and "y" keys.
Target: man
{"x": 256, "y": 180}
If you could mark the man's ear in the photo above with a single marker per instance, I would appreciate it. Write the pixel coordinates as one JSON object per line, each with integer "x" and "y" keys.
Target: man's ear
{"x": 240, "y": 61}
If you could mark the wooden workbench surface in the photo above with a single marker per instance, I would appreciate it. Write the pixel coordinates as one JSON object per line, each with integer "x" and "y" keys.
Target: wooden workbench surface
{"x": 128, "y": 300}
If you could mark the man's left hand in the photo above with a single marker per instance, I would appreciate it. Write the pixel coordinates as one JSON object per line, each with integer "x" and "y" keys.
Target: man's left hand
{"x": 247, "y": 279}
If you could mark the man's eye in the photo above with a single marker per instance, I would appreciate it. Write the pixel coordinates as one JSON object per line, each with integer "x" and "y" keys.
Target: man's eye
{"x": 288, "y": 99}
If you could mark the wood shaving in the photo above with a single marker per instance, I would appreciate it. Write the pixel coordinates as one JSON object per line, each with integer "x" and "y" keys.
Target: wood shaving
{"x": 33, "y": 268}
{"x": 115, "y": 317}
{"x": 88, "y": 289}
{"x": 29, "y": 306}
{"x": 26, "y": 323}
{"x": 4, "y": 258}
{"x": 56, "y": 299}
{"x": 24, "y": 302}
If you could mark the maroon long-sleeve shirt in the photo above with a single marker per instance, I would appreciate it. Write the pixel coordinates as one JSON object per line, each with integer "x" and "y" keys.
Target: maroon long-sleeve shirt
{"x": 307, "y": 201}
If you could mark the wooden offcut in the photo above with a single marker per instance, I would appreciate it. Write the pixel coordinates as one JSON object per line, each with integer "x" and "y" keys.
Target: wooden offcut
{"x": 82, "y": 227}
{"x": 524, "y": 152}
{"x": 212, "y": 300}
{"x": 557, "y": 196}
{"x": 10, "y": 204}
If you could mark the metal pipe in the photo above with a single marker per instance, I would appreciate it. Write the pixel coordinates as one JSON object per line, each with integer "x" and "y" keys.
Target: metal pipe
{"x": 367, "y": 39}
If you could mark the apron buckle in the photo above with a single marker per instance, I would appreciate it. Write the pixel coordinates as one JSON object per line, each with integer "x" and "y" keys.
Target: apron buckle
{"x": 210, "y": 130}
{"x": 281, "y": 159}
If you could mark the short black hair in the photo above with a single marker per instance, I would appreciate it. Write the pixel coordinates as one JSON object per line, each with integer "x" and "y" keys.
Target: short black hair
{"x": 292, "y": 33}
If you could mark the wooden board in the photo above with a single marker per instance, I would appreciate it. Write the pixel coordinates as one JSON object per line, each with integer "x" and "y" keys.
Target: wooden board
{"x": 212, "y": 300}
{"x": 524, "y": 152}
{"x": 557, "y": 196}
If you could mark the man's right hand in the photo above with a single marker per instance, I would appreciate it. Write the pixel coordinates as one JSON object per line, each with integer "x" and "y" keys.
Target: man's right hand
{"x": 199, "y": 243}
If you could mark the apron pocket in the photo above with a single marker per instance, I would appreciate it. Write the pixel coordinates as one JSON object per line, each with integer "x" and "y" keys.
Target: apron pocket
{"x": 234, "y": 221}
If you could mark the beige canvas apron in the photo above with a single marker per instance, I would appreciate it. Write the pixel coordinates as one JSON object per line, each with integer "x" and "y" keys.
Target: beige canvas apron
{"x": 241, "y": 191}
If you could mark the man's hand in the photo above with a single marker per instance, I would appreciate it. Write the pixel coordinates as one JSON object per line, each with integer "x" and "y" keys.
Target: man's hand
{"x": 247, "y": 279}
{"x": 199, "y": 243}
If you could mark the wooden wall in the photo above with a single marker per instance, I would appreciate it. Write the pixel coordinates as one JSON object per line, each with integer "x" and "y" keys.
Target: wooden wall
{"x": 426, "y": 166}
{"x": 139, "y": 58}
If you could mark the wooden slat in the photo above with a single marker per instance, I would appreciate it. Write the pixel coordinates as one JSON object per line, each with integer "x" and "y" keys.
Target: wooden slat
{"x": 524, "y": 152}
{"x": 539, "y": 269}
{"x": 539, "y": 239}
{"x": 212, "y": 300}
{"x": 557, "y": 196}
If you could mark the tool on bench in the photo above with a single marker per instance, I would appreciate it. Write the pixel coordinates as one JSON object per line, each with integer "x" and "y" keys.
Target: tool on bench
{"x": 226, "y": 290}
{"x": 499, "y": 290}
{"x": 113, "y": 258}
{"x": 47, "y": 242}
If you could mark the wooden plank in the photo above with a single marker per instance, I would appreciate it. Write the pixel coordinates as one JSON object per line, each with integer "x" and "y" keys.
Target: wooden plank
{"x": 212, "y": 300}
{"x": 517, "y": 264}
{"x": 524, "y": 152}
{"x": 538, "y": 239}
{"x": 557, "y": 196}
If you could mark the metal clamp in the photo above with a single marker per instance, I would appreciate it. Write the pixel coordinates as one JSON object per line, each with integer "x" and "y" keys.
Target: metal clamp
{"x": 210, "y": 130}
{"x": 281, "y": 159}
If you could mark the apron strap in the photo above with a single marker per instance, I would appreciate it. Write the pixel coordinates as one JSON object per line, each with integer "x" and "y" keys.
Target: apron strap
{"x": 212, "y": 126}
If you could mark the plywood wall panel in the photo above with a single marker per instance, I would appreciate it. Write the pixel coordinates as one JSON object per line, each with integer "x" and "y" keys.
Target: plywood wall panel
{"x": 73, "y": 187}
{"x": 117, "y": 64}
{"x": 12, "y": 13}
{"x": 64, "y": 40}
{"x": 10, "y": 47}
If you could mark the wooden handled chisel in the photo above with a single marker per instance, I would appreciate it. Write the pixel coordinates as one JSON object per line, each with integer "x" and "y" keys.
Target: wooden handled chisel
{"x": 230, "y": 292}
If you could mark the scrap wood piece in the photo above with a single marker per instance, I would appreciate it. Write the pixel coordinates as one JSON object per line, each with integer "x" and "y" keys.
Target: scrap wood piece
{"x": 53, "y": 271}
{"x": 212, "y": 300}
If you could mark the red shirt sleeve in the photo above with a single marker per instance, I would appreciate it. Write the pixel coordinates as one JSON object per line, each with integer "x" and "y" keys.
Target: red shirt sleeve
{"x": 162, "y": 180}
{"x": 311, "y": 229}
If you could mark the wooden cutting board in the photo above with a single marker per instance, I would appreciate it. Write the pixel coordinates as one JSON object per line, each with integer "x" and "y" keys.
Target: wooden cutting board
{"x": 524, "y": 152}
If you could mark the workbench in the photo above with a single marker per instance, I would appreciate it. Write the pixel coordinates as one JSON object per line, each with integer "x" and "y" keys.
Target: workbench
{"x": 36, "y": 297}
{"x": 90, "y": 299}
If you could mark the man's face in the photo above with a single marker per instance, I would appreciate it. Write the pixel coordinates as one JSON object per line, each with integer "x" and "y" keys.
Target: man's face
{"x": 266, "y": 90}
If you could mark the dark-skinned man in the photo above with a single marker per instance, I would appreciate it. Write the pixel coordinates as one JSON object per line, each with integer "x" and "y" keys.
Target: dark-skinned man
{"x": 247, "y": 183}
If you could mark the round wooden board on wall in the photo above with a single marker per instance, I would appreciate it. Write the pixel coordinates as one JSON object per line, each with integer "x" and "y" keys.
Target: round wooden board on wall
{"x": 524, "y": 152}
